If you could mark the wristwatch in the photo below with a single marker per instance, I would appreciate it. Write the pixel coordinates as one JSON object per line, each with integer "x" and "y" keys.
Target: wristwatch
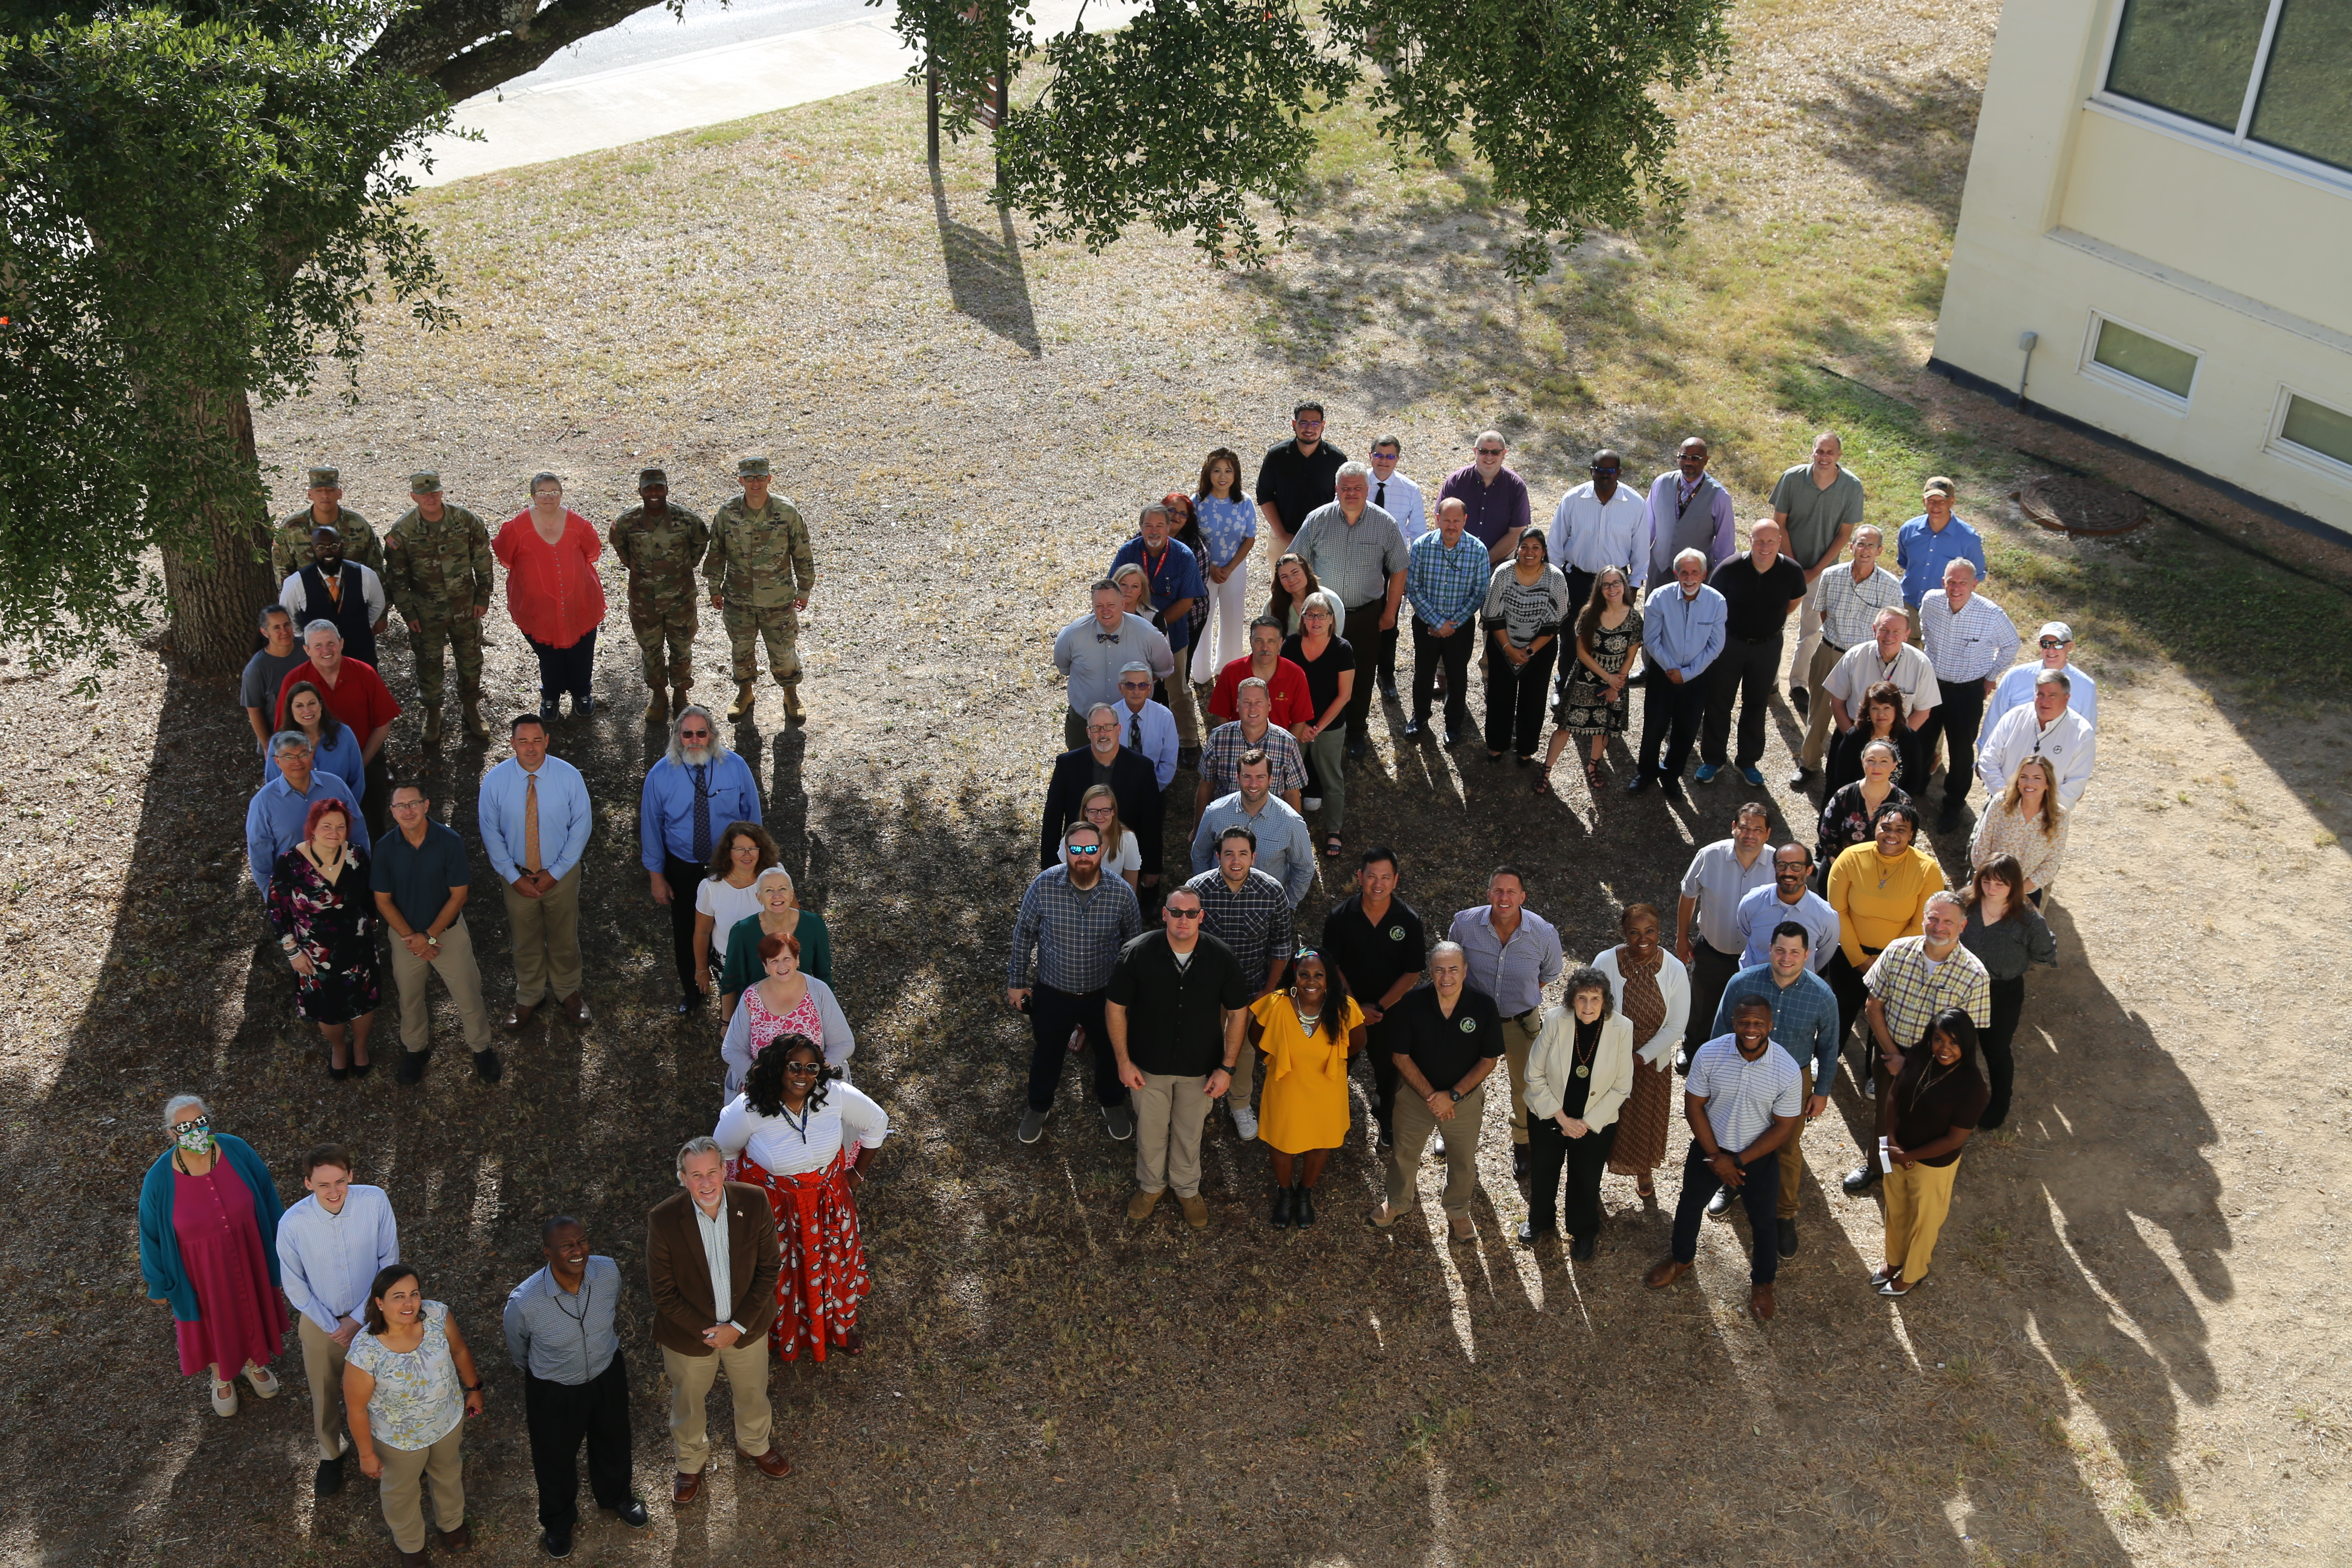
{"x": 1457, "y": 1094}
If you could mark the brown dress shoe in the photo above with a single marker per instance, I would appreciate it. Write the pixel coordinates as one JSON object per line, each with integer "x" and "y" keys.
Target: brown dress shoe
{"x": 519, "y": 1017}
{"x": 685, "y": 1487}
{"x": 1459, "y": 1228}
{"x": 1760, "y": 1302}
{"x": 1665, "y": 1274}
{"x": 1196, "y": 1211}
{"x": 458, "y": 1540}
{"x": 574, "y": 1008}
{"x": 772, "y": 1465}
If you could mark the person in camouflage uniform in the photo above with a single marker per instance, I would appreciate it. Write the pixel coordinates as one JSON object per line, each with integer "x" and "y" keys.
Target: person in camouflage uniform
{"x": 761, "y": 574}
{"x": 661, "y": 545}
{"x": 437, "y": 578}
{"x": 290, "y": 541}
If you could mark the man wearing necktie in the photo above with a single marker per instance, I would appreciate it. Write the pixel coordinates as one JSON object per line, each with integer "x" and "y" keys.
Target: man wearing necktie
{"x": 1091, "y": 650}
{"x": 693, "y": 793}
{"x": 535, "y": 815}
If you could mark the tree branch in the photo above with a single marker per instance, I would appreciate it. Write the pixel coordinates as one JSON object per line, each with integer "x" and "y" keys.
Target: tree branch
{"x": 468, "y": 46}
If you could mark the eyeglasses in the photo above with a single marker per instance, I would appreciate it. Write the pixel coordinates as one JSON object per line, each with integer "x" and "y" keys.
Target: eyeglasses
{"x": 1086, "y": 848}
{"x": 408, "y": 806}
{"x": 1173, "y": 913}
{"x": 805, "y": 1069}
{"x": 1135, "y": 685}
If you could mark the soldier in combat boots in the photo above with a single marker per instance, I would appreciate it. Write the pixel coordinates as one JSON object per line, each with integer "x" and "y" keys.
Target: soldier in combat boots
{"x": 661, "y": 545}
{"x": 437, "y": 580}
{"x": 761, "y": 574}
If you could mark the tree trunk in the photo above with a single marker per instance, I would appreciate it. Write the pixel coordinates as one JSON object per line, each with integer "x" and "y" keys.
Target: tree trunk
{"x": 216, "y": 589}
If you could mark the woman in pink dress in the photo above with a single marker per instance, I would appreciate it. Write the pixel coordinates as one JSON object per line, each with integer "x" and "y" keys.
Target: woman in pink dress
{"x": 208, "y": 1247}
{"x": 552, "y": 592}
{"x": 786, "y": 1003}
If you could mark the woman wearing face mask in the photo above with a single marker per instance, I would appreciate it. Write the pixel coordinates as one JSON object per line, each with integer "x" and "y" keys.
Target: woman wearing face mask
{"x": 1652, "y": 992}
{"x": 1307, "y": 1032}
{"x": 409, "y": 1385}
{"x": 208, "y": 1250}
{"x": 787, "y": 1002}
{"x": 1580, "y": 1070}
{"x": 807, "y": 1139}
{"x": 780, "y": 915}
{"x": 1928, "y": 1114}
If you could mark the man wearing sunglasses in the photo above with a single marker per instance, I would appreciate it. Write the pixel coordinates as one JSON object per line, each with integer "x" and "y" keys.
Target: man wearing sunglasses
{"x": 1599, "y": 524}
{"x": 1174, "y": 1010}
{"x": 1074, "y": 921}
{"x": 2055, "y": 642}
{"x": 1689, "y": 509}
{"x": 1493, "y": 499}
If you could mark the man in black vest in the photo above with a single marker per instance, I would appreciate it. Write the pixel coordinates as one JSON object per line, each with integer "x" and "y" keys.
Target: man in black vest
{"x": 342, "y": 592}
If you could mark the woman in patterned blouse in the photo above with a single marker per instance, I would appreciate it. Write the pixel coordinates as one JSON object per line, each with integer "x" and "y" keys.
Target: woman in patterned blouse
{"x": 1527, "y": 600}
{"x": 2027, "y": 822}
{"x": 325, "y": 918}
{"x": 1592, "y": 701}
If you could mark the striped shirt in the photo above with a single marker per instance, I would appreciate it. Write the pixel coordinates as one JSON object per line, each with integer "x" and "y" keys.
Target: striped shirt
{"x": 1523, "y": 612}
{"x": 1804, "y": 1016}
{"x": 1446, "y": 587}
{"x": 1975, "y": 642}
{"x": 1913, "y": 988}
{"x": 1254, "y": 920}
{"x": 1074, "y": 936}
{"x": 1221, "y": 759}
{"x": 1848, "y": 608}
{"x": 1743, "y": 1096}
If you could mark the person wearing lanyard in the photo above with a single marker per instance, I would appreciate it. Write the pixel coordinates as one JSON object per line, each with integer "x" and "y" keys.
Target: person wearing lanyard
{"x": 1513, "y": 953}
{"x": 1689, "y": 509}
{"x": 1853, "y": 595}
{"x": 1173, "y": 575}
{"x": 1720, "y": 875}
{"x": 561, "y": 1335}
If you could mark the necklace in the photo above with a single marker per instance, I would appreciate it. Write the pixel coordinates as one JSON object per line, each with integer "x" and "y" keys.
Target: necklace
{"x": 1583, "y": 1056}
{"x": 1926, "y": 1083}
{"x": 1307, "y": 1022}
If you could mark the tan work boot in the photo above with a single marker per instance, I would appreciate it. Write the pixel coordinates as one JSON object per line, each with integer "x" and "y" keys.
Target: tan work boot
{"x": 794, "y": 713}
{"x": 475, "y": 725}
{"x": 657, "y": 707}
{"x": 679, "y": 699}
{"x": 433, "y": 728}
{"x": 743, "y": 705}
{"x": 1196, "y": 1211}
{"x": 1139, "y": 1206}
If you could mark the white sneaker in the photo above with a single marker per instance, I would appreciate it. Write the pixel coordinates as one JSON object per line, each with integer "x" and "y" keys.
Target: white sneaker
{"x": 224, "y": 1398}
{"x": 1870, "y": 1087}
{"x": 264, "y": 1381}
{"x": 1245, "y": 1124}
{"x": 1311, "y": 802}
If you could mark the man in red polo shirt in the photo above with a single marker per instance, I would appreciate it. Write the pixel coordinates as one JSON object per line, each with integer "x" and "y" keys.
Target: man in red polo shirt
{"x": 357, "y": 695}
{"x": 1286, "y": 683}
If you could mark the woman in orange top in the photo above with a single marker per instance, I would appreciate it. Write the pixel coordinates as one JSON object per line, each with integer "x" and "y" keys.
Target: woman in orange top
{"x": 549, "y": 554}
{"x": 1307, "y": 1032}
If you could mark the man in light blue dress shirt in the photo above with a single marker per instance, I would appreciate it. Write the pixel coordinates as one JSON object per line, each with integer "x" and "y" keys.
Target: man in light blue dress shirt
{"x": 1788, "y": 899}
{"x": 693, "y": 793}
{"x": 273, "y": 822}
{"x": 535, "y": 815}
{"x": 1145, "y": 726}
{"x": 331, "y": 1246}
{"x": 561, "y": 1335}
{"x": 1683, "y": 626}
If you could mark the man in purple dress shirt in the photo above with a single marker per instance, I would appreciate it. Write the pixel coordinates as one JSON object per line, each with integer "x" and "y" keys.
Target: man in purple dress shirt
{"x": 1494, "y": 497}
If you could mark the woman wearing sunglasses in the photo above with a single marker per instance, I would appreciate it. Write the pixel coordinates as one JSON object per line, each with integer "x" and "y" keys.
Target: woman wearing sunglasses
{"x": 208, "y": 1247}
{"x": 807, "y": 1139}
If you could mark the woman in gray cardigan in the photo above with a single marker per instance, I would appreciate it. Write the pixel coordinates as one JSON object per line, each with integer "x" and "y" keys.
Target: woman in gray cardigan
{"x": 2009, "y": 936}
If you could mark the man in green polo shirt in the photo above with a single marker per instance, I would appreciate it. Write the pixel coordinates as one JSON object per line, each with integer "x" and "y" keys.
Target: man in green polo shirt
{"x": 1818, "y": 506}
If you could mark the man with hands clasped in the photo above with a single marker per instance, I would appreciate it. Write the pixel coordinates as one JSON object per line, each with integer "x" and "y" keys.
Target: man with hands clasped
{"x": 1449, "y": 1036}
{"x": 1174, "y": 1013}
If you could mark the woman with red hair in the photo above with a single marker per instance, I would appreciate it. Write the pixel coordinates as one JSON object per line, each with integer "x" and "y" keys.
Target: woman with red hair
{"x": 325, "y": 919}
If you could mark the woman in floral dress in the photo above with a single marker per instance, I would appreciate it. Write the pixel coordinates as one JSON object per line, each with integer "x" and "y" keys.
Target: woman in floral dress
{"x": 1591, "y": 703}
{"x": 326, "y": 918}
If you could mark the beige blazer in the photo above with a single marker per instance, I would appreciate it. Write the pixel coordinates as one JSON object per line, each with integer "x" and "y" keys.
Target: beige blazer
{"x": 1552, "y": 1058}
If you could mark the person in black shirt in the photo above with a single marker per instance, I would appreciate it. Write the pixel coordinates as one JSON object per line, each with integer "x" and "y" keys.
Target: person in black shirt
{"x": 1448, "y": 1038}
{"x": 1759, "y": 587}
{"x": 1375, "y": 939}
{"x": 1297, "y": 476}
{"x": 1173, "y": 1010}
{"x": 1935, "y": 1104}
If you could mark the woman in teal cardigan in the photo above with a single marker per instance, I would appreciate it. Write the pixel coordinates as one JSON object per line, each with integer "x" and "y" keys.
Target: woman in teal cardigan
{"x": 780, "y": 915}
{"x": 209, "y": 1247}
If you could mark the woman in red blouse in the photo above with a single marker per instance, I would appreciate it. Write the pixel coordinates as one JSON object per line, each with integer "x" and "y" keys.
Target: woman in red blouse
{"x": 549, "y": 554}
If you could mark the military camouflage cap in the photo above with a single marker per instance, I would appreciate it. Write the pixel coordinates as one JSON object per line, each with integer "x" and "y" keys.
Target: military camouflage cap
{"x": 647, "y": 477}
{"x": 424, "y": 482}
{"x": 750, "y": 467}
{"x": 325, "y": 479}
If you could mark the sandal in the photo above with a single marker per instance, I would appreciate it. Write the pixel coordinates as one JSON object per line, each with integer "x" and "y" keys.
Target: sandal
{"x": 1596, "y": 774}
{"x": 1331, "y": 846}
{"x": 1543, "y": 781}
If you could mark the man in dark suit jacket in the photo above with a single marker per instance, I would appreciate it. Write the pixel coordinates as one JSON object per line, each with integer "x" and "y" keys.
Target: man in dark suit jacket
{"x": 1132, "y": 778}
{"x": 688, "y": 1235}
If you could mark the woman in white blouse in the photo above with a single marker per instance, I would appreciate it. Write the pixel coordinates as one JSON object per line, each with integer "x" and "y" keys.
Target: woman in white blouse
{"x": 786, "y": 1003}
{"x": 729, "y": 894}
{"x": 807, "y": 1139}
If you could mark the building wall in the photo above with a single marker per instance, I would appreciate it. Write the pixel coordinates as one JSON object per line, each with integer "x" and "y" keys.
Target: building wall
{"x": 2074, "y": 207}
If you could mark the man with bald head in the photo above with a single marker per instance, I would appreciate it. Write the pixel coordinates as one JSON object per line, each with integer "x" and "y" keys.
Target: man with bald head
{"x": 1818, "y": 506}
{"x": 1689, "y": 509}
{"x": 1759, "y": 587}
{"x": 1850, "y": 596}
{"x": 1971, "y": 641}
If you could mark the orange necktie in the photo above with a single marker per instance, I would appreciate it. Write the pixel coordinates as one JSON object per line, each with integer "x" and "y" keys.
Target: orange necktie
{"x": 530, "y": 823}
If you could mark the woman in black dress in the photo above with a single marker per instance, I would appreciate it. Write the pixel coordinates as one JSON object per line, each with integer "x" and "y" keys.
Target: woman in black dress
{"x": 326, "y": 918}
{"x": 1592, "y": 703}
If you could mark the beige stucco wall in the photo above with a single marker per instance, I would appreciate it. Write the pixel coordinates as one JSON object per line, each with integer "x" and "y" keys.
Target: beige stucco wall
{"x": 2072, "y": 208}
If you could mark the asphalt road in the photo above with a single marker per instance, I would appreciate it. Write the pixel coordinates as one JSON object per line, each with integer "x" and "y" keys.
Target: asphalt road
{"x": 658, "y": 33}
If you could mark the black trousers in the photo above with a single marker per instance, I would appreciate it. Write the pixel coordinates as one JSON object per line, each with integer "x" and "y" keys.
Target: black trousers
{"x": 1670, "y": 717}
{"x": 1452, "y": 651}
{"x": 683, "y": 877}
{"x": 562, "y": 669}
{"x": 558, "y": 1416}
{"x": 1760, "y": 1195}
{"x": 1551, "y": 1153}
{"x": 2001, "y": 1062}
{"x": 376, "y": 801}
{"x": 1363, "y": 635}
{"x": 1580, "y": 588}
{"x": 1957, "y": 718}
{"x": 1384, "y": 661}
{"x": 1380, "y": 1046}
{"x": 1711, "y": 969}
{"x": 1742, "y": 673}
{"x": 1051, "y": 1016}
{"x": 1515, "y": 697}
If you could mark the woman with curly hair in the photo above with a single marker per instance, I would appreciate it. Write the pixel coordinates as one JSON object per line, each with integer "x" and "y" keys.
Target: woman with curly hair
{"x": 1307, "y": 1032}
{"x": 1580, "y": 1070}
{"x": 807, "y": 1139}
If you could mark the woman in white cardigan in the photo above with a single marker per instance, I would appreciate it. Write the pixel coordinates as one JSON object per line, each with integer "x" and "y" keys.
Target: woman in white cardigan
{"x": 1580, "y": 1070}
{"x": 1652, "y": 990}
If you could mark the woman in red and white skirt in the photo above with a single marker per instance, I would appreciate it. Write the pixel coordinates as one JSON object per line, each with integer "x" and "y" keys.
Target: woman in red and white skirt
{"x": 806, "y": 1139}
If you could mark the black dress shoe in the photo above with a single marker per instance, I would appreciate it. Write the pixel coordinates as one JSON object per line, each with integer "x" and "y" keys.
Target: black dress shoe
{"x": 1518, "y": 1161}
{"x": 1413, "y": 728}
{"x": 556, "y": 1543}
{"x": 1359, "y": 749}
{"x": 1302, "y": 1204}
{"x": 488, "y": 1068}
{"x": 687, "y": 1003}
{"x": 1581, "y": 1248}
{"x": 1671, "y": 787}
{"x": 633, "y": 1515}
{"x": 329, "y": 1480}
{"x": 1282, "y": 1208}
{"x": 1948, "y": 819}
{"x": 1801, "y": 700}
{"x": 1788, "y": 1238}
{"x": 412, "y": 1066}
{"x": 1861, "y": 1179}
{"x": 1388, "y": 688}
{"x": 1452, "y": 737}
{"x": 1638, "y": 781}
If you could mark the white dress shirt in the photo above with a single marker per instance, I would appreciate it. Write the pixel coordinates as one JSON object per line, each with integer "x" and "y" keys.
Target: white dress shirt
{"x": 327, "y": 1262}
{"x": 1158, "y": 738}
{"x": 713, "y": 1228}
{"x": 2066, "y": 742}
{"x": 1588, "y": 534}
{"x": 290, "y": 594}
{"x": 1403, "y": 503}
{"x": 2016, "y": 690}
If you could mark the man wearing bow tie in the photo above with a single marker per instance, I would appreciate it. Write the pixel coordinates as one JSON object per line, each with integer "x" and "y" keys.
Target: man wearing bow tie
{"x": 1092, "y": 650}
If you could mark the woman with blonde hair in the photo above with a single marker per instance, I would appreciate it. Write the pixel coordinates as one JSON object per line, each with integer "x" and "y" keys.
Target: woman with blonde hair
{"x": 2026, "y": 821}
{"x": 779, "y": 914}
{"x": 1122, "y": 854}
{"x": 1226, "y": 520}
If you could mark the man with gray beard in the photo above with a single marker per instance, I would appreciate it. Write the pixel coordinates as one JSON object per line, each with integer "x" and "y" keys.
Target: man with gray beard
{"x": 692, "y": 796}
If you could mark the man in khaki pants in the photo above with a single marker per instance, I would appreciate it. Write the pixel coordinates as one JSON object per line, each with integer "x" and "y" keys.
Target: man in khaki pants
{"x": 1173, "y": 1012}
{"x": 1448, "y": 1038}
{"x": 331, "y": 1247}
{"x": 535, "y": 817}
{"x": 710, "y": 1251}
{"x": 420, "y": 879}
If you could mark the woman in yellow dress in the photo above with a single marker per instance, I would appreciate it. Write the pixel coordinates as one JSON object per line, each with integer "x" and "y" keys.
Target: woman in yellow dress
{"x": 1306, "y": 1033}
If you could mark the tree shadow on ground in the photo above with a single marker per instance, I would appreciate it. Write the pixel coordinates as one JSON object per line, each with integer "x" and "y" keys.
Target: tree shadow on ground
{"x": 985, "y": 277}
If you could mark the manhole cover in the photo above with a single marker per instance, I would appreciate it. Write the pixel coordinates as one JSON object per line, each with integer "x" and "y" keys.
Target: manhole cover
{"x": 2063, "y": 504}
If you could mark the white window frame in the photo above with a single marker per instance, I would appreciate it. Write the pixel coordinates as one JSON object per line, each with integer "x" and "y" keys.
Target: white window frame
{"x": 2294, "y": 452}
{"x": 2146, "y": 391}
{"x": 2237, "y": 142}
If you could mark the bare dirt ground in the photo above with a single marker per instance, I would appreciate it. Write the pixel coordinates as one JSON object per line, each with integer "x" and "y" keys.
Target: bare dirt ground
{"x": 2129, "y": 1352}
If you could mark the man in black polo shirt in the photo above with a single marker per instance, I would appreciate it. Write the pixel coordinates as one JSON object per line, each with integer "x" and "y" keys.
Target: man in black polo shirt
{"x": 1173, "y": 1009}
{"x": 1449, "y": 1037}
{"x": 1376, "y": 940}
{"x": 1297, "y": 476}
{"x": 1759, "y": 587}
{"x": 420, "y": 877}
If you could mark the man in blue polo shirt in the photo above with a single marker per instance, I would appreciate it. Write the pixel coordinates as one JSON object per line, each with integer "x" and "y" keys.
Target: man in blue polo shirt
{"x": 1171, "y": 573}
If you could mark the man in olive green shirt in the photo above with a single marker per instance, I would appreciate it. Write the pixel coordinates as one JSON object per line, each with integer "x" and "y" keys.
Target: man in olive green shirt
{"x": 1818, "y": 506}
{"x": 661, "y": 544}
{"x": 290, "y": 541}
{"x": 761, "y": 574}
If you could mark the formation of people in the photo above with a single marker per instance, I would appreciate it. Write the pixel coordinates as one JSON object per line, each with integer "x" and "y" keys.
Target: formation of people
{"x": 1191, "y": 990}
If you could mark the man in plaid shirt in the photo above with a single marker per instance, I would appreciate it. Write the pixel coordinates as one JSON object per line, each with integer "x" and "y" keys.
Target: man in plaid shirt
{"x": 1221, "y": 759}
{"x": 1249, "y": 911}
{"x": 1446, "y": 578}
{"x": 1073, "y": 921}
{"x": 1913, "y": 980}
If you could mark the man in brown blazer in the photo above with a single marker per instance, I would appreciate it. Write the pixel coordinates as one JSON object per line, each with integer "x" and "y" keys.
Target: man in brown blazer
{"x": 714, "y": 1243}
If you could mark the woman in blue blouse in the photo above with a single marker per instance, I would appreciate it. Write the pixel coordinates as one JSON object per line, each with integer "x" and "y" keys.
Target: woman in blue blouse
{"x": 334, "y": 747}
{"x": 1227, "y": 519}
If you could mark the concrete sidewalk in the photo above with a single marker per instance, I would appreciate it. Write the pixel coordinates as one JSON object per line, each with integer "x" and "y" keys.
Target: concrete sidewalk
{"x": 638, "y": 102}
